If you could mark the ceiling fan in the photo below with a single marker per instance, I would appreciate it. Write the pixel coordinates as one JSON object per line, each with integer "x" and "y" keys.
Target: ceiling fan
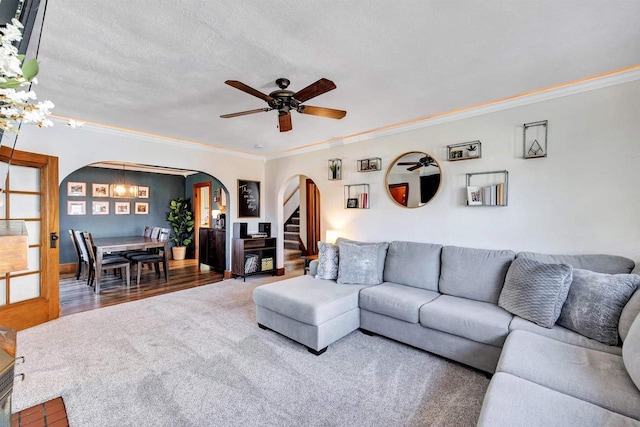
{"x": 285, "y": 100}
{"x": 424, "y": 161}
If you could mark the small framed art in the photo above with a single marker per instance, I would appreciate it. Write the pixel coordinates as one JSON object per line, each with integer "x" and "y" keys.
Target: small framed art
{"x": 76, "y": 189}
{"x": 99, "y": 190}
{"x": 122, "y": 208}
{"x": 535, "y": 139}
{"x": 143, "y": 192}
{"x": 76, "y": 207}
{"x": 100, "y": 208}
{"x": 141, "y": 208}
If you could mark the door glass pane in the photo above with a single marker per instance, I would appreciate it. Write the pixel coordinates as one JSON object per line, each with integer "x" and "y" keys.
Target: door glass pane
{"x": 24, "y": 178}
{"x": 24, "y": 206}
{"x": 33, "y": 261}
{"x": 33, "y": 230}
{"x": 3, "y": 292}
{"x": 3, "y": 198}
{"x": 24, "y": 287}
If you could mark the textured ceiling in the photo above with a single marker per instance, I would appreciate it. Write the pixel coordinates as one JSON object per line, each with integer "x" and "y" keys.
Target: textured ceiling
{"x": 160, "y": 66}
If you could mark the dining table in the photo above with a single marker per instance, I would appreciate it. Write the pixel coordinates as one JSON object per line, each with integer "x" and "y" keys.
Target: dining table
{"x": 107, "y": 245}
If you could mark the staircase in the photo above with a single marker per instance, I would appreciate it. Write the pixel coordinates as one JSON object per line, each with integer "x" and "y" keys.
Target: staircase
{"x": 292, "y": 252}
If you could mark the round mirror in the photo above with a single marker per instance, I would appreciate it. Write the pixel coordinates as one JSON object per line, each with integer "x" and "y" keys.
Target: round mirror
{"x": 413, "y": 179}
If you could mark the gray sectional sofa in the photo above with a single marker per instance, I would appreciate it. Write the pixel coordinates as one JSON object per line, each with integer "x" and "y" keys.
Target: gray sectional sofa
{"x": 460, "y": 303}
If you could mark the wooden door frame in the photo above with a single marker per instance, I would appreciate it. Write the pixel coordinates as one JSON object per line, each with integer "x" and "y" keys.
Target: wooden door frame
{"x": 46, "y": 307}
{"x": 312, "y": 216}
{"x": 195, "y": 196}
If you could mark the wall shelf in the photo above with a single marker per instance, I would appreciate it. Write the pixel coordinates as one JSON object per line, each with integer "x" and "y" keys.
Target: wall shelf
{"x": 356, "y": 196}
{"x": 372, "y": 164}
{"x": 463, "y": 151}
{"x": 489, "y": 189}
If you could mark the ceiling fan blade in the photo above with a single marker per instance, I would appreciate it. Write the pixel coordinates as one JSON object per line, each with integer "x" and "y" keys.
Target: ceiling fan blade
{"x": 408, "y": 163}
{"x": 251, "y": 91}
{"x": 321, "y": 111}
{"x": 284, "y": 119}
{"x": 318, "y": 88}
{"x": 412, "y": 168}
{"x": 244, "y": 113}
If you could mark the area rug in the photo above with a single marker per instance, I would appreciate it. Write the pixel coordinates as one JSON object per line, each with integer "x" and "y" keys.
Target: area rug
{"x": 197, "y": 358}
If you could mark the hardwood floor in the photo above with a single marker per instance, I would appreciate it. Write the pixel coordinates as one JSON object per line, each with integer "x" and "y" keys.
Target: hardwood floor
{"x": 76, "y": 296}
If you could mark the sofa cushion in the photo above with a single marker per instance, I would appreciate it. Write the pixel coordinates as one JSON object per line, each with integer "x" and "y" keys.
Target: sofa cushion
{"x": 328, "y": 258}
{"x": 595, "y": 303}
{"x": 631, "y": 352}
{"x": 608, "y": 264}
{"x": 560, "y": 333}
{"x": 512, "y": 401}
{"x": 413, "y": 264}
{"x": 478, "y": 321}
{"x": 306, "y": 299}
{"x": 629, "y": 314}
{"x": 397, "y": 301}
{"x": 477, "y": 274}
{"x": 359, "y": 263}
{"x": 594, "y": 376}
{"x": 382, "y": 253}
{"x": 536, "y": 291}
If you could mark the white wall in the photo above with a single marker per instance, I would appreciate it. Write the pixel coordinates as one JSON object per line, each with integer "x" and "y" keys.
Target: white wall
{"x": 582, "y": 198}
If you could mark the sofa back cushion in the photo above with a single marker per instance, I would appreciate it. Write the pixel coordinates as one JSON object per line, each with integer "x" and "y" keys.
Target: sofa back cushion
{"x": 413, "y": 264}
{"x": 477, "y": 274}
{"x": 631, "y": 352}
{"x": 608, "y": 264}
{"x": 382, "y": 253}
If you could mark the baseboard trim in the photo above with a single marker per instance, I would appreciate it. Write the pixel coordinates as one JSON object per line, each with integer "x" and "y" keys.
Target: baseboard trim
{"x": 280, "y": 272}
{"x": 68, "y": 268}
{"x": 228, "y": 274}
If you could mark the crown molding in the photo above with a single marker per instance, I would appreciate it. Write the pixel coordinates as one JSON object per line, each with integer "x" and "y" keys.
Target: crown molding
{"x": 566, "y": 89}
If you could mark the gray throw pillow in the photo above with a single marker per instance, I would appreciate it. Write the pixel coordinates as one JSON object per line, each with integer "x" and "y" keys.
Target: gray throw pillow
{"x": 358, "y": 264}
{"x": 595, "y": 303}
{"x": 383, "y": 247}
{"x": 536, "y": 291}
{"x": 631, "y": 352}
{"x": 328, "y": 260}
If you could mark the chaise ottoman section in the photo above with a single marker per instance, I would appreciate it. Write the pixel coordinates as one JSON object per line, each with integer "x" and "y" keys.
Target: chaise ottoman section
{"x": 313, "y": 312}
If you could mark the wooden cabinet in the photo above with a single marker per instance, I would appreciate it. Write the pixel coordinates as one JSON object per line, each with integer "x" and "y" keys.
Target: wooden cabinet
{"x": 253, "y": 256}
{"x": 212, "y": 248}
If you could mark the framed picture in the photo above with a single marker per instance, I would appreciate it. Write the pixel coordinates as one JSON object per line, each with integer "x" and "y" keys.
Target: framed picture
{"x": 76, "y": 189}
{"x": 535, "y": 139}
{"x": 99, "y": 190}
{"x": 335, "y": 169}
{"x": 474, "y": 195}
{"x": 100, "y": 208}
{"x": 141, "y": 208}
{"x": 369, "y": 165}
{"x": 352, "y": 203}
{"x": 122, "y": 208}
{"x": 143, "y": 192}
{"x": 248, "y": 199}
{"x": 76, "y": 207}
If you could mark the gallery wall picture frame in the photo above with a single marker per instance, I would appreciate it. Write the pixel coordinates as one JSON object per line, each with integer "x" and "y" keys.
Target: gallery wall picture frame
{"x": 141, "y": 208}
{"x": 122, "y": 208}
{"x": 535, "y": 139}
{"x": 76, "y": 189}
{"x": 248, "y": 199}
{"x": 99, "y": 208}
{"x": 464, "y": 151}
{"x": 143, "y": 192}
{"x": 335, "y": 169}
{"x": 76, "y": 207}
{"x": 99, "y": 190}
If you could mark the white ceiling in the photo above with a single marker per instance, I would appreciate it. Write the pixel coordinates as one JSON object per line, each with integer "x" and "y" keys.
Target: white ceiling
{"x": 160, "y": 66}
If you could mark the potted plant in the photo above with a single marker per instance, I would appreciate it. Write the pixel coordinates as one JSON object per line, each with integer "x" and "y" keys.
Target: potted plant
{"x": 181, "y": 219}
{"x": 472, "y": 150}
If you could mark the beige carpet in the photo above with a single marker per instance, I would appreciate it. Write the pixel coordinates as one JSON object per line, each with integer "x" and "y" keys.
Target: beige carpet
{"x": 197, "y": 358}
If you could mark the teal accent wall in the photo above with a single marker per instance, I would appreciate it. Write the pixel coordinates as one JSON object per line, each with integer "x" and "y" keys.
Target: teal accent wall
{"x": 162, "y": 189}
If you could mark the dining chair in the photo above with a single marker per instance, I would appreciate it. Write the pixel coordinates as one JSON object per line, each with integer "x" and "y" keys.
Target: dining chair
{"x": 82, "y": 260}
{"x": 110, "y": 263}
{"x": 151, "y": 259}
{"x": 155, "y": 232}
{"x": 147, "y": 231}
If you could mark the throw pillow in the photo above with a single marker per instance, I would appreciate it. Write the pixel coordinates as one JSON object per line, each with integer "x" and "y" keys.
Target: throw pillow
{"x": 536, "y": 291}
{"x": 595, "y": 303}
{"x": 358, "y": 264}
{"x": 328, "y": 260}
{"x": 382, "y": 253}
{"x": 631, "y": 352}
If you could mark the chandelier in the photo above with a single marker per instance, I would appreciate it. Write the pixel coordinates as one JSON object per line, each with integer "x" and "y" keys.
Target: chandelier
{"x": 122, "y": 189}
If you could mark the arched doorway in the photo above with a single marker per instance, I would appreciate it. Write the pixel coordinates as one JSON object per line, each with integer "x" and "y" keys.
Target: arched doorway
{"x": 301, "y": 221}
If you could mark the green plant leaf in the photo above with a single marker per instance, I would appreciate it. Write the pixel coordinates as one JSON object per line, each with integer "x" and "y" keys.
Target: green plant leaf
{"x": 30, "y": 69}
